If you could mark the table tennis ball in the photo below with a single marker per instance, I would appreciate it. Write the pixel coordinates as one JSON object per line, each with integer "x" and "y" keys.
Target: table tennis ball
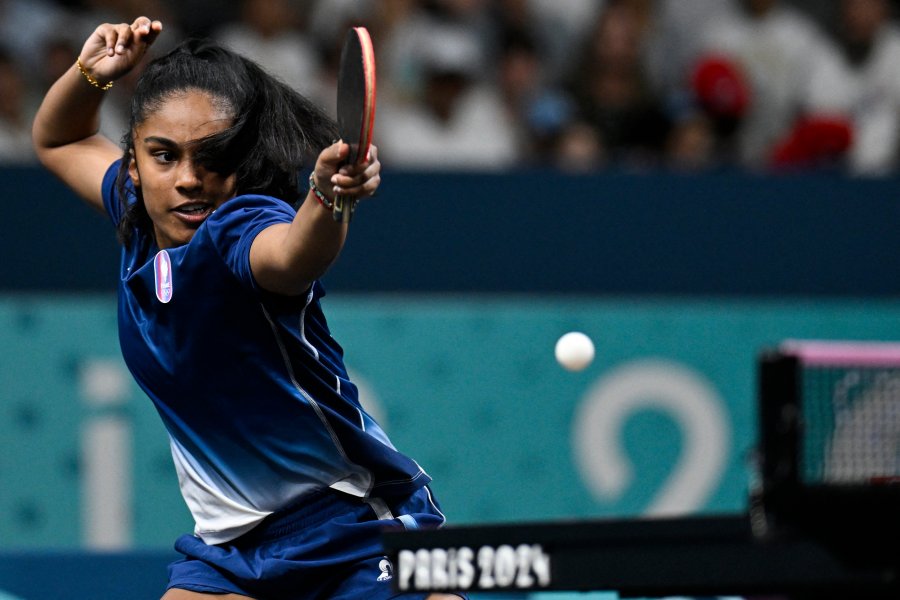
{"x": 574, "y": 351}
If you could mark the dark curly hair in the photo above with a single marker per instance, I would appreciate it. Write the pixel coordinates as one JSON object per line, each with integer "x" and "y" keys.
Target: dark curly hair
{"x": 275, "y": 131}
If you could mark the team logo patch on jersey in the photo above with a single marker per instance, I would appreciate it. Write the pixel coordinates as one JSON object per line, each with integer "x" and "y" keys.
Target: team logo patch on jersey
{"x": 162, "y": 271}
{"x": 387, "y": 570}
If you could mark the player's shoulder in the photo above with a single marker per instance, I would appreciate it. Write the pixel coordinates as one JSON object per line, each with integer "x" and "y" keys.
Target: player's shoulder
{"x": 246, "y": 202}
{"x": 231, "y": 229}
{"x": 249, "y": 208}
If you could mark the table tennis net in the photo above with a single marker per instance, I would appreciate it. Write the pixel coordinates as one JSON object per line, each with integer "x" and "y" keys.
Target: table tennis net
{"x": 849, "y": 412}
{"x": 851, "y": 418}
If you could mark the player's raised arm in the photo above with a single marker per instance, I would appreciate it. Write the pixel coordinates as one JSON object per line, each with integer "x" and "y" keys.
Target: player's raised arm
{"x": 287, "y": 258}
{"x": 65, "y": 131}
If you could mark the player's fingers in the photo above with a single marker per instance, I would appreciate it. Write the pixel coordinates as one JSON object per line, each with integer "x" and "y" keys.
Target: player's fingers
{"x": 348, "y": 177}
{"x": 355, "y": 175}
{"x": 146, "y": 30}
{"x": 141, "y": 25}
{"x": 156, "y": 28}
{"x": 355, "y": 180}
{"x": 362, "y": 167}
{"x": 372, "y": 164}
{"x": 124, "y": 38}
{"x": 357, "y": 187}
{"x": 110, "y": 37}
{"x": 333, "y": 155}
{"x": 137, "y": 35}
{"x": 328, "y": 161}
{"x": 367, "y": 172}
{"x": 95, "y": 46}
{"x": 371, "y": 185}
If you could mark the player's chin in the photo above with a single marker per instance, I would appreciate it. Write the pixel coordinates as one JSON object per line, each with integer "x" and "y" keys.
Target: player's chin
{"x": 183, "y": 234}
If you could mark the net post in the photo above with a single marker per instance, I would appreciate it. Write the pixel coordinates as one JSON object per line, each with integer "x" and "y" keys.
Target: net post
{"x": 773, "y": 501}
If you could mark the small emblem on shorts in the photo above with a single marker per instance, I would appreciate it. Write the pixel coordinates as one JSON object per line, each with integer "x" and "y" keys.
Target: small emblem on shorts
{"x": 162, "y": 272}
{"x": 387, "y": 570}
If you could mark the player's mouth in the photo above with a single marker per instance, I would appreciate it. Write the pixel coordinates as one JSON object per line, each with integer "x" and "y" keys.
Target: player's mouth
{"x": 193, "y": 213}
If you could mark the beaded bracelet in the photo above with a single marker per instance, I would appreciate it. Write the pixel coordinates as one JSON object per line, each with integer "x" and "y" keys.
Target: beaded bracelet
{"x": 90, "y": 79}
{"x": 322, "y": 198}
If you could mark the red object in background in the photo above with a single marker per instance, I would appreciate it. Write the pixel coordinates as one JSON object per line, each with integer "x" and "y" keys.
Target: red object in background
{"x": 720, "y": 87}
{"x": 814, "y": 140}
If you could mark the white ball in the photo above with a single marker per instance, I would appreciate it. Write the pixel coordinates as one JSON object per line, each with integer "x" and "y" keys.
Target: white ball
{"x": 574, "y": 351}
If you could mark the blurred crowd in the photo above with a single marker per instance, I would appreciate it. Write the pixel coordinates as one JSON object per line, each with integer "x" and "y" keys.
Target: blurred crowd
{"x": 579, "y": 85}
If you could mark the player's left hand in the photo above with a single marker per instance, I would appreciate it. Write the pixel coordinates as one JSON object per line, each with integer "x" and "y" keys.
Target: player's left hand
{"x": 114, "y": 49}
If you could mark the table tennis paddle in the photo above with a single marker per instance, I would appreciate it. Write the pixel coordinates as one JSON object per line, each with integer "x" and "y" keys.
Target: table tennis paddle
{"x": 355, "y": 105}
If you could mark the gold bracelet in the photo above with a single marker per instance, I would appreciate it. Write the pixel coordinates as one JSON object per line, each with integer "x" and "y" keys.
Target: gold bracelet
{"x": 90, "y": 79}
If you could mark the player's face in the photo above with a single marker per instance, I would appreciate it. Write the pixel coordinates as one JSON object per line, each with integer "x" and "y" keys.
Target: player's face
{"x": 179, "y": 193}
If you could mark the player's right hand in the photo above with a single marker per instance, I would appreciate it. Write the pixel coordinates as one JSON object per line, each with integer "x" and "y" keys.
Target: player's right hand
{"x": 113, "y": 50}
{"x": 355, "y": 181}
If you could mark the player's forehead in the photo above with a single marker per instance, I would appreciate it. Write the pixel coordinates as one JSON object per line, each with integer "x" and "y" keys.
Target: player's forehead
{"x": 185, "y": 115}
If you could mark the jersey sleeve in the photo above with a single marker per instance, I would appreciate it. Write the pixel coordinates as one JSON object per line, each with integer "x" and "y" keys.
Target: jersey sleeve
{"x": 111, "y": 204}
{"x": 235, "y": 224}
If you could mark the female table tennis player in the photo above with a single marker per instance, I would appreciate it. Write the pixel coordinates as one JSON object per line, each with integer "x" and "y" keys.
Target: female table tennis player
{"x": 288, "y": 479}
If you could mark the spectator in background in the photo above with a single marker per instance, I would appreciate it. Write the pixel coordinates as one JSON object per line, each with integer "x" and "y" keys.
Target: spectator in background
{"x": 200, "y": 18}
{"x": 406, "y": 32}
{"x": 693, "y": 144}
{"x": 328, "y": 20}
{"x": 700, "y": 135}
{"x": 84, "y": 15}
{"x": 56, "y": 58}
{"x": 853, "y": 99}
{"x": 675, "y": 41}
{"x": 24, "y": 25}
{"x": 540, "y": 109}
{"x": 577, "y": 148}
{"x": 754, "y": 65}
{"x": 718, "y": 99}
{"x": 270, "y": 32}
{"x": 564, "y": 26}
{"x": 397, "y": 32}
{"x": 686, "y": 84}
{"x": 15, "y": 115}
{"x": 611, "y": 89}
{"x": 457, "y": 120}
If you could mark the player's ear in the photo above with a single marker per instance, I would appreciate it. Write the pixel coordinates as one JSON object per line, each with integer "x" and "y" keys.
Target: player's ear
{"x": 133, "y": 172}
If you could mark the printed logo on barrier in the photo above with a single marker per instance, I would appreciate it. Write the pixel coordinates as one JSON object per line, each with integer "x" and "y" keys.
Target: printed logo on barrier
{"x": 162, "y": 271}
{"x": 387, "y": 570}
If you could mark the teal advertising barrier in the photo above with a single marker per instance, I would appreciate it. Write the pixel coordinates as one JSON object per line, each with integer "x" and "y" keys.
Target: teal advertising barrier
{"x": 662, "y": 422}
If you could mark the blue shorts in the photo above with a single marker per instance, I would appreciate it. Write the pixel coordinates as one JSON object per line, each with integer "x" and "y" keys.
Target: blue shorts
{"x": 327, "y": 547}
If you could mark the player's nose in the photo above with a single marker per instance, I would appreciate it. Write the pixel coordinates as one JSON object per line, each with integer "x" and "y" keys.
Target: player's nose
{"x": 189, "y": 176}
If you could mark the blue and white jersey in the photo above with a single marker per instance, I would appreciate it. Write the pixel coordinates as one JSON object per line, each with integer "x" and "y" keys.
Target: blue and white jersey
{"x": 250, "y": 385}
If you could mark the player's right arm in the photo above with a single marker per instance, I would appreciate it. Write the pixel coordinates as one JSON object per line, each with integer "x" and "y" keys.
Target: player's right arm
{"x": 66, "y": 127}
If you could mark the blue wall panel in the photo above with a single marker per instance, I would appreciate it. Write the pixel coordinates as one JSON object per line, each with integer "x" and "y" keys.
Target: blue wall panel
{"x": 539, "y": 232}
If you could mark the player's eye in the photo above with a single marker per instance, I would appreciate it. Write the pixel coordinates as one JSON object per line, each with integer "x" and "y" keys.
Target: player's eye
{"x": 163, "y": 156}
